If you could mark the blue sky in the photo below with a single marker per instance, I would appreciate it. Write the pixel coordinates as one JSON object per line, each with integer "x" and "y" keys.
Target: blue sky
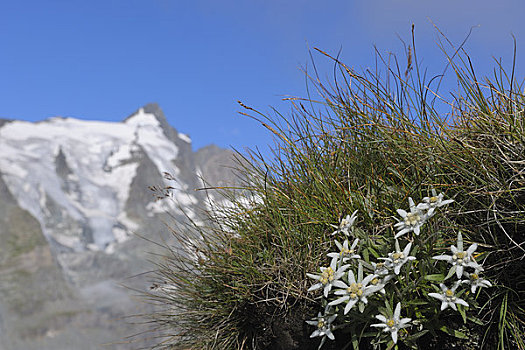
{"x": 104, "y": 59}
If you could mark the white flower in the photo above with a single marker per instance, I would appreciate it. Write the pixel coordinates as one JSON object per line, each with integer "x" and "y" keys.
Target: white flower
{"x": 460, "y": 258}
{"x": 345, "y": 253}
{"x": 346, "y": 224}
{"x": 411, "y": 221}
{"x": 393, "y": 324}
{"x": 324, "y": 326}
{"x": 448, "y": 297}
{"x": 380, "y": 282}
{"x": 433, "y": 202}
{"x": 398, "y": 258}
{"x": 328, "y": 277}
{"x": 355, "y": 291}
{"x": 380, "y": 268}
{"x": 475, "y": 281}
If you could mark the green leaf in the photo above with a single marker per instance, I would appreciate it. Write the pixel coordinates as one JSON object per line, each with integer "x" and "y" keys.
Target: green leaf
{"x": 454, "y": 332}
{"x": 355, "y": 341}
{"x": 373, "y": 252}
{"x": 475, "y": 320}
{"x": 361, "y": 307}
{"x": 417, "y": 302}
{"x": 451, "y": 272}
{"x": 366, "y": 256}
{"x": 438, "y": 277}
{"x": 417, "y": 335}
{"x": 462, "y": 312}
{"x": 390, "y": 345}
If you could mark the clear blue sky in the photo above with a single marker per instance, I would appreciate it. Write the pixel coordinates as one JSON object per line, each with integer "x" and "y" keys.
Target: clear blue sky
{"x": 104, "y": 59}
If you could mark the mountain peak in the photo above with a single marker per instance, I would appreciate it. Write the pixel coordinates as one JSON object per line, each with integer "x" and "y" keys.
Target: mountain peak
{"x": 150, "y": 114}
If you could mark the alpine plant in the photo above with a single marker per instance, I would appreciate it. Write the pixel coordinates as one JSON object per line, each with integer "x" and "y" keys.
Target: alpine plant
{"x": 355, "y": 286}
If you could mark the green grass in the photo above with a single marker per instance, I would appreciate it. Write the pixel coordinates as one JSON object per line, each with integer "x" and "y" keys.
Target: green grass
{"x": 365, "y": 142}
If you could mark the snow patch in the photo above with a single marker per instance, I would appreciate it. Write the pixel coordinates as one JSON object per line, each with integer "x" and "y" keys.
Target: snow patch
{"x": 184, "y": 137}
{"x": 143, "y": 119}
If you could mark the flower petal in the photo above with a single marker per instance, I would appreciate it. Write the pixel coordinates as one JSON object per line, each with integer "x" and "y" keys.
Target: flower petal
{"x": 315, "y": 286}
{"x": 442, "y": 257}
{"x": 472, "y": 249}
{"x": 397, "y": 311}
{"x": 436, "y": 295}
{"x": 381, "y": 318}
{"x": 461, "y": 301}
{"x": 381, "y": 325}
{"x": 311, "y": 275}
{"x": 459, "y": 271}
{"x": 460, "y": 241}
{"x": 339, "y": 301}
{"x": 402, "y": 232}
{"x": 350, "y": 305}
{"x": 339, "y": 284}
{"x": 406, "y": 251}
{"x": 394, "y": 336}
{"x": 402, "y": 212}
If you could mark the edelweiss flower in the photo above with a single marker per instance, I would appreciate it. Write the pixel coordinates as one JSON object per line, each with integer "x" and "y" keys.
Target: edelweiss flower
{"x": 411, "y": 221}
{"x": 398, "y": 258}
{"x": 328, "y": 277}
{"x": 324, "y": 326}
{"x": 355, "y": 291}
{"x": 346, "y": 224}
{"x": 460, "y": 259}
{"x": 475, "y": 281}
{"x": 393, "y": 324}
{"x": 431, "y": 203}
{"x": 380, "y": 282}
{"x": 345, "y": 253}
{"x": 448, "y": 297}
{"x": 380, "y": 268}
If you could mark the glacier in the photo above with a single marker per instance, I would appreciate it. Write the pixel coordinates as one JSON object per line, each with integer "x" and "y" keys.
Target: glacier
{"x": 99, "y": 157}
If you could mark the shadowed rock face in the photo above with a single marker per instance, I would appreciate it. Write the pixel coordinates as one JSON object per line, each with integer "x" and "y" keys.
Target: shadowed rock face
{"x": 31, "y": 278}
{"x": 74, "y": 196}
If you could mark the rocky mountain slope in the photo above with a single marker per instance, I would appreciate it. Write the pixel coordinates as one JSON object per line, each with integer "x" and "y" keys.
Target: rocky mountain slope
{"x": 74, "y": 198}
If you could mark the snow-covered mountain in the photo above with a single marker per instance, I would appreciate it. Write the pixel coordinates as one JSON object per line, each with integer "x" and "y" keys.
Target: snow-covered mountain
{"x": 73, "y": 196}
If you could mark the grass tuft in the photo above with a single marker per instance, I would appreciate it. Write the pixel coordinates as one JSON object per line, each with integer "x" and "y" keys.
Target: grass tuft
{"x": 366, "y": 142}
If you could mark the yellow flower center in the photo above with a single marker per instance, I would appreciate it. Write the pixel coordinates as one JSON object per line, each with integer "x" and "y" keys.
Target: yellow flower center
{"x": 346, "y": 251}
{"x": 434, "y": 199}
{"x": 397, "y": 256}
{"x": 449, "y": 293}
{"x": 320, "y": 324}
{"x": 374, "y": 281}
{"x": 412, "y": 219}
{"x": 390, "y": 323}
{"x": 459, "y": 257}
{"x": 355, "y": 290}
{"x": 474, "y": 276}
{"x": 327, "y": 276}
